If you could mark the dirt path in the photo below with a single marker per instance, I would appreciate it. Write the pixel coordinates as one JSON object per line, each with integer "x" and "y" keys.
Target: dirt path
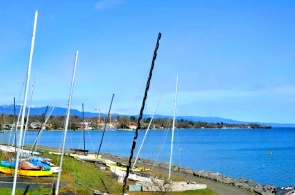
{"x": 218, "y": 188}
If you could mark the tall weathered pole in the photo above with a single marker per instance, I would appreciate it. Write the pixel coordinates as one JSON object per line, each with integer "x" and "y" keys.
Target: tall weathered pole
{"x": 24, "y": 104}
{"x": 141, "y": 113}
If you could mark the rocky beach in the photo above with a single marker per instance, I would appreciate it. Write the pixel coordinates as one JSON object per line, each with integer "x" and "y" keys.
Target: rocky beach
{"x": 217, "y": 182}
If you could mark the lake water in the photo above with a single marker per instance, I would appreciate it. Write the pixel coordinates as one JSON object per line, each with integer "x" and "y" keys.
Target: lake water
{"x": 262, "y": 155}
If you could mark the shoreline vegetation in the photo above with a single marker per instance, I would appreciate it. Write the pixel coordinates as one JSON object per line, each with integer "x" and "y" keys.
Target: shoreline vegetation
{"x": 121, "y": 122}
{"x": 85, "y": 172}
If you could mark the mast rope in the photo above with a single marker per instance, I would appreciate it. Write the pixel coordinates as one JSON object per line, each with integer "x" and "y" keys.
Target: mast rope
{"x": 90, "y": 138}
{"x": 146, "y": 132}
{"x": 105, "y": 124}
{"x": 15, "y": 123}
{"x": 141, "y": 113}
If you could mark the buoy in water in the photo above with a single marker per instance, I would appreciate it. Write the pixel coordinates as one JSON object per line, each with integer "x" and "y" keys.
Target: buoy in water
{"x": 270, "y": 153}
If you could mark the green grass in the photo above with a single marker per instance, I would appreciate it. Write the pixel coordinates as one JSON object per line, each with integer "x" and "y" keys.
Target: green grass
{"x": 87, "y": 174}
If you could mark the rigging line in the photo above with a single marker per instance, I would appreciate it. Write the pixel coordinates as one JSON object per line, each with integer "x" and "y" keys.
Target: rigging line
{"x": 19, "y": 114}
{"x": 137, "y": 98}
{"x": 105, "y": 124}
{"x": 47, "y": 116}
{"x": 34, "y": 147}
{"x": 89, "y": 138}
{"x": 165, "y": 135}
{"x": 141, "y": 112}
{"x": 15, "y": 126}
{"x": 38, "y": 134}
{"x": 79, "y": 183}
{"x": 95, "y": 191}
{"x": 28, "y": 114}
{"x": 178, "y": 146}
{"x": 160, "y": 156}
{"x": 146, "y": 132}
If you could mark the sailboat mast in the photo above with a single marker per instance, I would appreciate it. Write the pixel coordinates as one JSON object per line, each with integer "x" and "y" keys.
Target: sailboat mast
{"x": 173, "y": 128}
{"x": 66, "y": 125}
{"x": 24, "y": 104}
{"x": 14, "y": 122}
{"x": 83, "y": 126}
{"x": 141, "y": 113}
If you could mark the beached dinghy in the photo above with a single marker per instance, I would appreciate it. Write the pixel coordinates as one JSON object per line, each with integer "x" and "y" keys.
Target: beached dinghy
{"x": 122, "y": 167}
{"x": 25, "y": 169}
{"x": 94, "y": 158}
{"x": 44, "y": 162}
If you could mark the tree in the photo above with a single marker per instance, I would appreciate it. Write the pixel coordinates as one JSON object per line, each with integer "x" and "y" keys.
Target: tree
{"x": 132, "y": 118}
{"x": 148, "y": 120}
{"x": 123, "y": 122}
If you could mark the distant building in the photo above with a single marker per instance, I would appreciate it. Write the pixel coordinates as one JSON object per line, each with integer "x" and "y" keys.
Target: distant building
{"x": 84, "y": 125}
{"x": 36, "y": 125}
{"x": 132, "y": 126}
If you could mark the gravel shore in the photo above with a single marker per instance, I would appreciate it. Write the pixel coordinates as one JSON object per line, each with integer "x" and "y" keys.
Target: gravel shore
{"x": 218, "y": 183}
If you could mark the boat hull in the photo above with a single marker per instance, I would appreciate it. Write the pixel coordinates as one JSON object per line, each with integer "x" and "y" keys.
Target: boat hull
{"x": 27, "y": 173}
{"x": 122, "y": 168}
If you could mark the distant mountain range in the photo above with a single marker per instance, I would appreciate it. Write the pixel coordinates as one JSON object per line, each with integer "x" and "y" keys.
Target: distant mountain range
{"x": 58, "y": 111}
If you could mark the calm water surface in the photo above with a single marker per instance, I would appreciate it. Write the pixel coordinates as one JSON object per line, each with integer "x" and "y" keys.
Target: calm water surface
{"x": 265, "y": 156}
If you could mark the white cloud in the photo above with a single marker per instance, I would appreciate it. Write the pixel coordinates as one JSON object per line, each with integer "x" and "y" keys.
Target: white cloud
{"x": 104, "y": 4}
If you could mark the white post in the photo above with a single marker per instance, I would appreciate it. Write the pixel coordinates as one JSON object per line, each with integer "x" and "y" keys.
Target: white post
{"x": 24, "y": 105}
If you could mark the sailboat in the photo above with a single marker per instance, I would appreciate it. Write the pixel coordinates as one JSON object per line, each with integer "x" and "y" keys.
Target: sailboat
{"x": 39, "y": 160}
{"x": 120, "y": 171}
{"x": 28, "y": 166}
{"x": 168, "y": 185}
{"x": 85, "y": 156}
{"x": 79, "y": 152}
{"x": 97, "y": 157}
{"x": 19, "y": 166}
{"x": 25, "y": 168}
{"x": 126, "y": 176}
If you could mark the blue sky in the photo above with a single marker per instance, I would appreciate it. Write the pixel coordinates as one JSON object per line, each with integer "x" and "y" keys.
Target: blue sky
{"x": 235, "y": 59}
